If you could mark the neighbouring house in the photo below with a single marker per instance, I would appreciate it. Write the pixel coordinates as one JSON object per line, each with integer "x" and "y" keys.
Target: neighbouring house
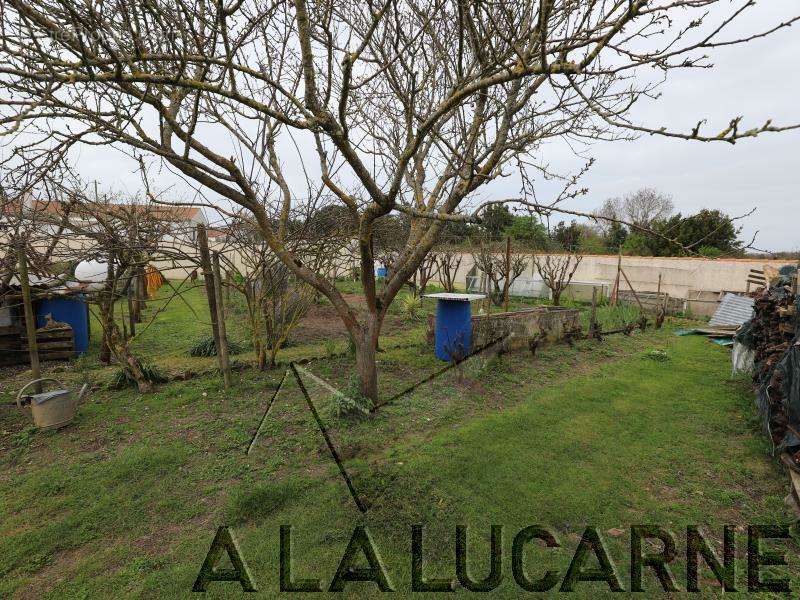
{"x": 47, "y": 216}
{"x": 180, "y": 215}
{"x": 217, "y": 234}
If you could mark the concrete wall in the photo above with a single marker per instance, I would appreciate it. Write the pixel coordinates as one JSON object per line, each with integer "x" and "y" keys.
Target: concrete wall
{"x": 696, "y": 279}
{"x": 691, "y": 278}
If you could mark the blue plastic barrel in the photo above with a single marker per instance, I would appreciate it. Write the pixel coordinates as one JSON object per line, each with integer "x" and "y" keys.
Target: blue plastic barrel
{"x": 381, "y": 272}
{"x": 453, "y": 329}
{"x": 67, "y": 309}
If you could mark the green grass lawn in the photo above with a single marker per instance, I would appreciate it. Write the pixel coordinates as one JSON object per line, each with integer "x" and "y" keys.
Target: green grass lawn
{"x": 125, "y": 502}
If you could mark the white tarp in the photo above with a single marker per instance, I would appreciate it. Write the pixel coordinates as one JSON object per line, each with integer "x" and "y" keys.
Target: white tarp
{"x": 742, "y": 358}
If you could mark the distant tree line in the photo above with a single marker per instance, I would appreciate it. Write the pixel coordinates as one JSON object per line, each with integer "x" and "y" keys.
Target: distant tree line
{"x": 618, "y": 227}
{"x": 707, "y": 232}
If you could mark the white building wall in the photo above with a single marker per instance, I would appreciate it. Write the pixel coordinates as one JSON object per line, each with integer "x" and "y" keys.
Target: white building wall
{"x": 680, "y": 277}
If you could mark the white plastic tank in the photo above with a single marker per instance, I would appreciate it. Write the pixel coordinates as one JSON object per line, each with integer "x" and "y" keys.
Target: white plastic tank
{"x": 92, "y": 274}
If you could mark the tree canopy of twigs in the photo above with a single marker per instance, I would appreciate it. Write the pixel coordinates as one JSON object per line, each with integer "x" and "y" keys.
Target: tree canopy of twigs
{"x": 276, "y": 299}
{"x": 642, "y": 207}
{"x": 409, "y": 106}
{"x": 490, "y": 259}
{"x": 557, "y": 270}
{"x": 61, "y": 222}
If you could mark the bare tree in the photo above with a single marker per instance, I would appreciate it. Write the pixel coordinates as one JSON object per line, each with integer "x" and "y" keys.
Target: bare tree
{"x": 448, "y": 259}
{"x": 647, "y": 205}
{"x": 557, "y": 270}
{"x": 28, "y": 193}
{"x": 276, "y": 299}
{"x": 490, "y": 260}
{"x": 641, "y": 208}
{"x": 428, "y": 269}
{"x": 122, "y": 237}
{"x": 411, "y": 106}
{"x": 63, "y": 222}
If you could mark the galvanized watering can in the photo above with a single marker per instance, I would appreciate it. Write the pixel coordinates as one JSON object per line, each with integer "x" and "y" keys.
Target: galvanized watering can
{"x": 53, "y": 409}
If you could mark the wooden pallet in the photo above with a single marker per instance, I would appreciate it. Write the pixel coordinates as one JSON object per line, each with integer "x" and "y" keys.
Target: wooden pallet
{"x": 53, "y": 343}
{"x": 10, "y": 346}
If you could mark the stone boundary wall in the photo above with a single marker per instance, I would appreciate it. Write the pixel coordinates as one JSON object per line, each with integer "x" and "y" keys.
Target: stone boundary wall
{"x": 540, "y": 323}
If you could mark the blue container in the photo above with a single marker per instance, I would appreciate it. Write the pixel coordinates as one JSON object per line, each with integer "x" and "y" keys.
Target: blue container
{"x": 68, "y": 309}
{"x": 381, "y": 272}
{"x": 453, "y": 329}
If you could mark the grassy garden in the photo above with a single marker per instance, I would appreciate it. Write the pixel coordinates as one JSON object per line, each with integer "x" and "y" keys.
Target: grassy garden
{"x": 124, "y": 503}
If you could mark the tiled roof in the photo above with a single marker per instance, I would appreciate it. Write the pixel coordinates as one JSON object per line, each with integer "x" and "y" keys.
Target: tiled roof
{"x": 54, "y": 207}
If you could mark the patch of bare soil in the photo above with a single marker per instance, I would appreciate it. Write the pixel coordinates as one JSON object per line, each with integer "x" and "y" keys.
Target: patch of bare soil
{"x": 322, "y": 322}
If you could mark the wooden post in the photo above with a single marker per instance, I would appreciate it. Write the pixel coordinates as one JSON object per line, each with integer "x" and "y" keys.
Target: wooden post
{"x": 593, "y": 315}
{"x": 615, "y": 290}
{"x": 30, "y": 318}
{"x": 208, "y": 277}
{"x": 659, "y": 283}
{"x": 506, "y": 284}
{"x": 635, "y": 295}
{"x": 222, "y": 349}
{"x": 796, "y": 277}
{"x": 132, "y": 304}
{"x": 487, "y": 288}
{"x": 141, "y": 293}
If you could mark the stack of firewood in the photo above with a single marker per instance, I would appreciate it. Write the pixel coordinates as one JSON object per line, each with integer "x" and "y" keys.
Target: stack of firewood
{"x": 773, "y": 332}
{"x": 773, "y": 328}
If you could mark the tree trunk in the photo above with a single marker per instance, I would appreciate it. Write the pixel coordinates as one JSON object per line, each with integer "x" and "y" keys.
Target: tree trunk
{"x": 106, "y": 322}
{"x": 367, "y": 370}
{"x": 135, "y": 368}
{"x": 255, "y": 324}
{"x": 107, "y": 298}
{"x": 273, "y": 352}
{"x": 366, "y": 350}
{"x": 556, "y": 296}
{"x": 262, "y": 358}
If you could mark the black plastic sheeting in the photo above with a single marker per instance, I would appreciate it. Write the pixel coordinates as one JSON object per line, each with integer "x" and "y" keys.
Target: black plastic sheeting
{"x": 779, "y": 399}
{"x": 778, "y": 385}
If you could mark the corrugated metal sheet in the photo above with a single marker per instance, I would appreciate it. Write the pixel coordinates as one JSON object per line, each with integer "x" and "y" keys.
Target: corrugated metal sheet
{"x": 733, "y": 310}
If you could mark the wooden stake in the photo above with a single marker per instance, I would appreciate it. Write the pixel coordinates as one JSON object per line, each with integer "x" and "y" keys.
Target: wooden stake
{"x": 635, "y": 295}
{"x": 593, "y": 315}
{"x": 487, "y": 288}
{"x": 222, "y": 349}
{"x": 132, "y": 305}
{"x": 30, "y": 318}
{"x": 615, "y": 290}
{"x": 140, "y": 294}
{"x": 659, "y": 283}
{"x": 796, "y": 277}
{"x": 208, "y": 277}
{"x": 506, "y": 285}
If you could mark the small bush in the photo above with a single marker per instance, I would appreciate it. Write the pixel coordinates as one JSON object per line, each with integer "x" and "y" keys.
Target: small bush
{"x": 350, "y": 402}
{"x": 207, "y": 347}
{"x": 411, "y": 307}
{"x": 330, "y": 347}
{"x": 121, "y": 379}
{"x": 23, "y": 438}
{"x": 657, "y": 355}
{"x": 351, "y": 405}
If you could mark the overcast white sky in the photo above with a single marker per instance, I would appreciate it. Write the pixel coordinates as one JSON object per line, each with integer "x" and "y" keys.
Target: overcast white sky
{"x": 759, "y": 80}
